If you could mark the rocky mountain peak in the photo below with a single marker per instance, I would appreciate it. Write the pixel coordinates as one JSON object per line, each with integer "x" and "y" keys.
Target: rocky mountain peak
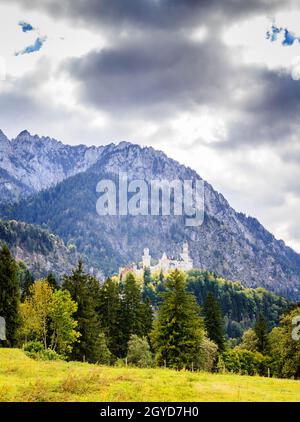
{"x": 24, "y": 135}
{"x": 124, "y": 144}
{"x": 4, "y": 146}
{"x": 40, "y": 162}
{"x": 3, "y": 137}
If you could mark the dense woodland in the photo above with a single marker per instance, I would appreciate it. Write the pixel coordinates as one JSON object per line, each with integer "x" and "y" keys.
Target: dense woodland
{"x": 240, "y": 306}
{"x": 43, "y": 252}
{"x": 192, "y": 321}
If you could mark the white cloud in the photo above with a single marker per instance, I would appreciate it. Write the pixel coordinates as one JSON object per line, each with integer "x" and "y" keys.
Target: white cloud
{"x": 249, "y": 37}
{"x": 63, "y": 41}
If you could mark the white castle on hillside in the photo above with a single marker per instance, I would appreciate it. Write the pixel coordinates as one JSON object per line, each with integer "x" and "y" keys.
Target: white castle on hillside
{"x": 164, "y": 264}
{"x": 185, "y": 263}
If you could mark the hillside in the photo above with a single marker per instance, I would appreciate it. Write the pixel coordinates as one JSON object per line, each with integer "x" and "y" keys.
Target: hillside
{"x": 23, "y": 379}
{"x": 228, "y": 243}
{"x": 41, "y": 251}
{"x": 240, "y": 306}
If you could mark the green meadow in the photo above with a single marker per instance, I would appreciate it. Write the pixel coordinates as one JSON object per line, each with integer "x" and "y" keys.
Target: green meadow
{"x": 27, "y": 380}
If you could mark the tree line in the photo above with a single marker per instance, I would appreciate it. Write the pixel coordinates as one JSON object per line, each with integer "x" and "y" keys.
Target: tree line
{"x": 116, "y": 323}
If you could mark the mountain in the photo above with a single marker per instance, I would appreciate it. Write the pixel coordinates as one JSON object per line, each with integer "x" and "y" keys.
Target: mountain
{"x": 228, "y": 243}
{"x": 29, "y": 163}
{"x": 41, "y": 251}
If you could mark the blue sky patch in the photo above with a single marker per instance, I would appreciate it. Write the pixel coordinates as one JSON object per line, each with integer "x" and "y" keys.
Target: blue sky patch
{"x": 32, "y": 48}
{"x": 25, "y": 26}
{"x": 289, "y": 37}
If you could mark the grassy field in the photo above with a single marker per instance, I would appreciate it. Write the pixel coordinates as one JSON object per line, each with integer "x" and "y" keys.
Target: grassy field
{"x": 23, "y": 379}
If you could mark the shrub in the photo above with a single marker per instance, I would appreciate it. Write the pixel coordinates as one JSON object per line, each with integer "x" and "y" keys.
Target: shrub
{"x": 50, "y": 354}
{"x": 33, "y": 347}
{"x": 243, "y": 362}
{"x": 35, "y": 350}
{"x": 120, "y": 363}
{"x": 139, "y": 353}
{"x": 208, "y": 355}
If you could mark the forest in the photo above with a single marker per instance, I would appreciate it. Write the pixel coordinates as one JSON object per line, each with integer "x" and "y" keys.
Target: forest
{"x": 194, "y": 321}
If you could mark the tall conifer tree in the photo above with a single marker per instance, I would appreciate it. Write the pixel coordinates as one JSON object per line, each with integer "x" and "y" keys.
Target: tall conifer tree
{"x": 213, "y": 321}
{"x": 178, "y": 331}
{"x": 109, "y": 313}
{"x": 261, "y": 331}
{"x": 84, "y": 290}
{"x": 135, "y": 315}
{"x": 9, "y": 295}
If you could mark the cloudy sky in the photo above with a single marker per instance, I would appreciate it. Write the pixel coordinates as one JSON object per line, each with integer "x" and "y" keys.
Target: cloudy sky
{"x": 214, "y": 84}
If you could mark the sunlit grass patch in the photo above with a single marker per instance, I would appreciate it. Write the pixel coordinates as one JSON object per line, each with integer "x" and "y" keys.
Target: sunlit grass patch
{"x": 24, "y": 379}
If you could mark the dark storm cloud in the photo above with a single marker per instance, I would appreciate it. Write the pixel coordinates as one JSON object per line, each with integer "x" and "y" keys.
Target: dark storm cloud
{"x": 151, "y": 73}
{"x": 159, "y": 71}
{"x": 160, "y": 76}
{"x": 141, "y": 76}
{"x": 163, "y": 14}
{"x": 269, "y": 114}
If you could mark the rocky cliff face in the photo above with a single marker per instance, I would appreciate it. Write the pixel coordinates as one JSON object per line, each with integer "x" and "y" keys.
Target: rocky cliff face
{"x": 228, "y": 243}
{"x": 42, "y": 252}
{"x": 29, "y": 163}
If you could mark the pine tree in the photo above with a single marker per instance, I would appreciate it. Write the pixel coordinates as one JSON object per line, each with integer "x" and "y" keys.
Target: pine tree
{"x": 135, "y": 315}
{"x": 261, "y": 331}
{"x": 26, "y": 280}
{"x": 104, "y": 354}
{"x": 178, "y": 331}
{"x": 147, "y": 276}
{"x": 109, "y": 311}
{"x": 147, "y": 316}
{"x": 161, "y": 277}
{"x": 213, "y": 321}
{"x": 161, "y": 288}
{"x": 84, "y": 290}
{"x": 52, "y": 281}
{"x": 9, "y": 295}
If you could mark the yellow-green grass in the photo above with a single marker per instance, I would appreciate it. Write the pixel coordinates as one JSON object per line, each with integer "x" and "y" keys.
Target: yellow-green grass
{"x": 25, "y": 379}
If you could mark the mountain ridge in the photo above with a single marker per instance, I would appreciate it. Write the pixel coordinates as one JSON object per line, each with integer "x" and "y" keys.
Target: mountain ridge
{"x": 39, "y": 162}
{"x": 229, "y": 243}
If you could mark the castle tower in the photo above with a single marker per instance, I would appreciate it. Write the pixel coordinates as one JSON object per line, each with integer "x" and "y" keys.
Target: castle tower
{"x": 185, "y": 256}
{"x": 146, "y": 258}
{"x": 164, "y": 262}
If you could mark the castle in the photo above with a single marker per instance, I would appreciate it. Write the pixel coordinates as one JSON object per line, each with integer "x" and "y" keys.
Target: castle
{"x": 164, "y": 264}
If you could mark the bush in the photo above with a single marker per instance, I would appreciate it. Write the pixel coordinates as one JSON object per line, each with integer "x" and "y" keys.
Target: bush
{"x": 33, "y": 347}
{"x": 35, "y": 350}
{"x": 244, "y": 362}
{"x": 229, "y": 362}
{"x": 208, "y": 355}
{"x": 249, "y": 341}
{"x": 139, "y": 353}
{"x": 50, "y": 354}
{"x": 120, "y": 363}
